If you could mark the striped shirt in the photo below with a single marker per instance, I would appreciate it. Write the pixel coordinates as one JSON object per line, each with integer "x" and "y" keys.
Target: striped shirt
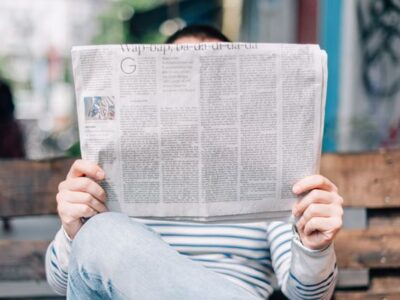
{"x": 250, "y": 255}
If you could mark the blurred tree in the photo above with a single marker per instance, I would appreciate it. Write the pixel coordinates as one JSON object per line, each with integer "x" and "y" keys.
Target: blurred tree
{"x": 146, "y": 24}
{"x": 114, "y": 22}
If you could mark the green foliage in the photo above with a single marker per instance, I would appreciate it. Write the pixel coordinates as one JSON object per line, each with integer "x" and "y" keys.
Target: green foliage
{"x": 152, "y": 37}
{"x": 111, "y": 28}
{"x": 74, "y": 150}
{"x": 114, "y": 25}
{"x": 143, "y": 5}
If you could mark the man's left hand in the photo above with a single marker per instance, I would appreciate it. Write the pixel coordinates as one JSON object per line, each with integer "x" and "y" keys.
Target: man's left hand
{"x": 319, "y": 211}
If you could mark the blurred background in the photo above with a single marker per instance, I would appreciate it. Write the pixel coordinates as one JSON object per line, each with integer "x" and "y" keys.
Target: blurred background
{"x": 362, "y": 38}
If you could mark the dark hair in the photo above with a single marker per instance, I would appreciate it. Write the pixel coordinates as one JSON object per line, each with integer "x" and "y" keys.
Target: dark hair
{"x": 199, "y": 31}
{"x": 6, "y": 101}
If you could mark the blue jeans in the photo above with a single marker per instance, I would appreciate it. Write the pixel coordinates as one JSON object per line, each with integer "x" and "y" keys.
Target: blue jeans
{"x": 114, "y": 257}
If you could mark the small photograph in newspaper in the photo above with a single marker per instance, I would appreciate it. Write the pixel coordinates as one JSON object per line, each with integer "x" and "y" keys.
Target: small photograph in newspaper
{"x": 99, "y": 108}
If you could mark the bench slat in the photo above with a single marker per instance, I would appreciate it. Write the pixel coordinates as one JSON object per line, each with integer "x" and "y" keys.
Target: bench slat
{"x": 375, "y": 247}
{"x": 29, "y": 187}
{"x": 369, "y": 295}
{"x": 370, "y": 180}
{"x": 383, "y": 286}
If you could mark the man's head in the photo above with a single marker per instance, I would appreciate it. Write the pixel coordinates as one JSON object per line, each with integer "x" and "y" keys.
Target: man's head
{"x": 197, "y": 34}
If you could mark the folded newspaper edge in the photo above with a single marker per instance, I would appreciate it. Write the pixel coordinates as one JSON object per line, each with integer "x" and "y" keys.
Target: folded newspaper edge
{"x": 209, "y": 132}
{"x": 285, "y": 216}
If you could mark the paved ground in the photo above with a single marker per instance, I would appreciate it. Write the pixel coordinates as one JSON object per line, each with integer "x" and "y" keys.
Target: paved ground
{"x": 29, "y": 228}
{"x": 32, "y": 228}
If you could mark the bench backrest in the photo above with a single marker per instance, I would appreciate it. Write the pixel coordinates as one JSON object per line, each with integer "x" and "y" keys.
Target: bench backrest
{"x": 29, "y": 187}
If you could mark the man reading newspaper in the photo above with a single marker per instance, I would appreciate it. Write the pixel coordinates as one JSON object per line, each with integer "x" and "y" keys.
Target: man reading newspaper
{"x": 107, "y": 255}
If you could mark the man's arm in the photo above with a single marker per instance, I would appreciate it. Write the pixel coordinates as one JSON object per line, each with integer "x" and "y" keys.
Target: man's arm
{"x": 305, "y": 261}
{"x": 302, "y": 273}
{"x": 79, "y": 196}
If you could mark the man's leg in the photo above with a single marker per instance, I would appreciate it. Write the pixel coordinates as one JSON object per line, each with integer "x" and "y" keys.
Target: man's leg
{"x": 114, "y": 257}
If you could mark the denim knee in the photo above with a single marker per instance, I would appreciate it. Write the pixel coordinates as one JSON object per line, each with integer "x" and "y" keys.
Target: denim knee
{"x": 104, "y": 238}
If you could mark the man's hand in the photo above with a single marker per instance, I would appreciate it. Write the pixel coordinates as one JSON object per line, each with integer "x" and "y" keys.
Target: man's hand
{"x": 320, "y": 211}
{"x": 79, "y": 196}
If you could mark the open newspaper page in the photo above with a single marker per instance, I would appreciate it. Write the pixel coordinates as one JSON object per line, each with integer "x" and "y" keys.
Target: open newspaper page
{"x": 202, "y": 132}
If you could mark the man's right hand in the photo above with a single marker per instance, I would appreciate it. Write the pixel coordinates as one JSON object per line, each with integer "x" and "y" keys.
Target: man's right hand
{"x": 80, "y": 196}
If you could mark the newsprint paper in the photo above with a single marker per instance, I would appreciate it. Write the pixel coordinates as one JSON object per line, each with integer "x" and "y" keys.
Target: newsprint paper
{"x": 202, "y": 132}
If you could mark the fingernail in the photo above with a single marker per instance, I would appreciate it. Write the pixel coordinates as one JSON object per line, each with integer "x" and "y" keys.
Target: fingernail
{"x": 100, "y": 175}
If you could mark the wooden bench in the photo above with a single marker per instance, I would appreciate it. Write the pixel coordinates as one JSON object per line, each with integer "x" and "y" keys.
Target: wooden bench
{"x": 369, "y": 183}
{"x": 27, "y": 188}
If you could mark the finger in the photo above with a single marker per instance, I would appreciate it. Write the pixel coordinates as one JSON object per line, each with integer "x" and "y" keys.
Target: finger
{"x": 83, "y": 184}
{"x": 87, "y": 199}
{"x": 314, "y": 182}
{"x": 329, "y": 226}
{"x": 316, "y": 196}
{"x": 84, "y": 211}
{"x": 71, "y": 212}
{"x": 86, "y": 168}
{"x": 81, "y": 198}
{"x": 318, "y": 210}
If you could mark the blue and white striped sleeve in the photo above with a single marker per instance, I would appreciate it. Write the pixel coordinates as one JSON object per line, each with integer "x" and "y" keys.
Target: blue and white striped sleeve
{"x": 57, "y": 259}
{"x": 302, "y": 273}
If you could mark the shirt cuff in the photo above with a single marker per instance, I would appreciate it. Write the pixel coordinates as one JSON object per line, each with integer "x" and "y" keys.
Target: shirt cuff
{"x": 312, "y": 265}
{"x": 69, "y": 240}
{"x": 62, "y": 244}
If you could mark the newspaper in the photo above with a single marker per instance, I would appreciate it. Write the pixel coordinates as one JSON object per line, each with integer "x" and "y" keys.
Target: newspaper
{"x": 201, "y": 132}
